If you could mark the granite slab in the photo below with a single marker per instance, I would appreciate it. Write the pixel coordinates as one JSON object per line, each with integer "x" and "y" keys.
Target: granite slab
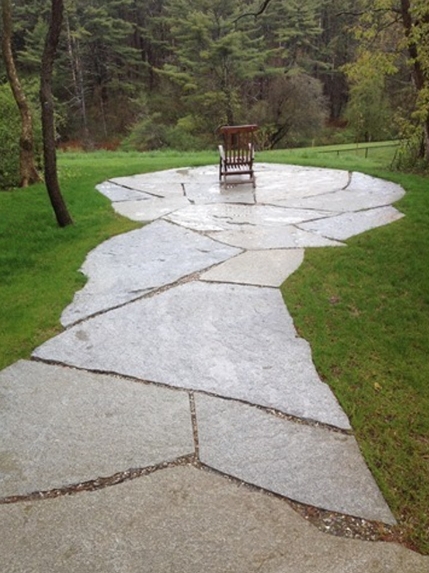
{"x": 263, "y": 268}
{"x": 166, "y": 183}
{"x": 206, "y": 192}
{"x": 277, "y": 183}
{"x": 128, "y": 266}
{"x": 312, "y": 465}
{"x": 227, "y": 217}
{"x": 342, "y": 201}
{"x": 182, "y": 520}
{"x": 280, "y": 237}
{"x": 151, "y": 209}
{"x": 363, "y": 192}
{"x": 363, "y": 182}
{"x": 346, "y": 225}
{"x": 61, "y": 426}
{"x": 231, "y": 340}
{"x": 117, "y": 193}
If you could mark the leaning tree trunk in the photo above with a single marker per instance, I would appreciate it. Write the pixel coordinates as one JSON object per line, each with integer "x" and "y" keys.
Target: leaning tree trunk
{"x": 48, "y": 123}
{"x": 27, "y": 166}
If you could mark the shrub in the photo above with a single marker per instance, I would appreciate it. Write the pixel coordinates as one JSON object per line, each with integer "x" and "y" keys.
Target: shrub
{"x": 10, "y": 130}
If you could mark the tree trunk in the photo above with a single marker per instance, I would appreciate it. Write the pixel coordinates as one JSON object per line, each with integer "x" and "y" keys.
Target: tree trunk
{"x": 419, "y": 79}
{"x": 48, "y": 123}
{"x": 77, "y": 75}
{"x": 27, "y": 165}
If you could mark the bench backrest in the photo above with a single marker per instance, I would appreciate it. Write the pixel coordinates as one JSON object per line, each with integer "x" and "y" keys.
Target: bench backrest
{"x": 238, "y": 142}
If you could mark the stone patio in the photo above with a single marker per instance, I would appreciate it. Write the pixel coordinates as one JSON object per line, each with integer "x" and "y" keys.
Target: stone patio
{"x": 180, "y": 367}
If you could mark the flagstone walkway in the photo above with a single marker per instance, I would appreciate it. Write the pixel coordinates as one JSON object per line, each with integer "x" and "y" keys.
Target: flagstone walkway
{"x": 167, "y": 427}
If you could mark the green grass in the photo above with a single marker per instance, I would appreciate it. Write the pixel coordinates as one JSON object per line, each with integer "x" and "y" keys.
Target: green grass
{"x": 364, "y": 308}
{"x": 349, "y": 156}
{"x": 39, "y": 262}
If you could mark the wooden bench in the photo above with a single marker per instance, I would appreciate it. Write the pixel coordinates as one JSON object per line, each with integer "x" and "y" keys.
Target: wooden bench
{"x": 237, "y": 151}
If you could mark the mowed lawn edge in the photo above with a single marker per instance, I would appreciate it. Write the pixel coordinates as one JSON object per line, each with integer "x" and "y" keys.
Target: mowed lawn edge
{"x": 364, "y": 310}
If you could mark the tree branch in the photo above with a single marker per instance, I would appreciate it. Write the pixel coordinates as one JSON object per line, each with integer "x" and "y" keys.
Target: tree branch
{"x": 261, "y": 10}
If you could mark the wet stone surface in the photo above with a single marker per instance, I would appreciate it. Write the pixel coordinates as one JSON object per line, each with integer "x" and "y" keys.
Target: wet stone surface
{"x": 230, "y": 340}
{"x": 188, "y": 364}
{"x": 63, "y": 426}
{"x": 263, "y": 268}
{"x": 128, "y": 266}
{"x": 288, "y": 458}
{"x": 182, "y": 520}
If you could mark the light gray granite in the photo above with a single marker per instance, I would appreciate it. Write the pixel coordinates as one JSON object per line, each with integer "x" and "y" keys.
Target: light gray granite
{"x": 312, "y": 465}
{"x": 231, "y": 340}
{"x": 280, "y": 237}
{"x": 151, "y": 209}
{"x": 227, "y": 217}
{"x": 277, "y": 183}
{"x": 182, "y": 520}
{"x": 201, "y": 185}
{"x": 362, "y": 193}
{"x": 263, "y": 268}
{"x": 128, "y": 266}
{"x": 116, "y": 192}
{"x": 342, "y": 201}
{"x": 362, "y": 182}
{"x": 165, "y": 183}
{"x": 346, "y": 225}
{"x": 315, "y": 200}
{"x": 61, "y": 426}
{"x": 147, "y": 185}
{"x": 198, "y": 193}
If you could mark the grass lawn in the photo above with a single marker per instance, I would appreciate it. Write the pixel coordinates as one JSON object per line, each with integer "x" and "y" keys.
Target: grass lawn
{"x": 39, "y": 261}
{"x": 364, "y": 309}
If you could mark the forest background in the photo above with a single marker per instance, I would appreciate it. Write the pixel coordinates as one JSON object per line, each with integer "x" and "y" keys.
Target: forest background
{"x": 150, "y": 74}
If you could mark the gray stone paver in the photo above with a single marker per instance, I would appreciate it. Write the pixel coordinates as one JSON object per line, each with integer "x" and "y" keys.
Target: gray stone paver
{"x": 226, "y": 217}
{"x": 128, "y": 266}
{"x": 275, "y": 237}
{"x": 202, "y": 194}
{"x": 151, "y": 209}
{"x": 62, "y": 426}
{"x": 346, "y": 225}
{"x": 356, "y": 200}
{"x": 118, "y": 193}
{"x": 264, "y": 268}
{"x": 381, "y": 187}
{"x": 231, "y": 340}
{"x": 277, "y": 183}
{"x": 360, "y": 191}
{"x": 182, "y": 520}
{"x": 288, "y": 458}
{"x": 159, "y": 184}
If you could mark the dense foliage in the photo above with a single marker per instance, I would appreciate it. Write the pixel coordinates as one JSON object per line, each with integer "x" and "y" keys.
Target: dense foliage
{"x": 167, "y": 73}
{"x": 9, "y": 138}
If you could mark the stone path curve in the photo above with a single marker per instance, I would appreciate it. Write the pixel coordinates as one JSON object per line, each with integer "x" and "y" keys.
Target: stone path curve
{"x": 179, "y": 352}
